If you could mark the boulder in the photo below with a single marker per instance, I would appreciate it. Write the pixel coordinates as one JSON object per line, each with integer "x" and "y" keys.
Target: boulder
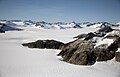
{"x": 50, "y": 44}
{"x": 117, "y": 56}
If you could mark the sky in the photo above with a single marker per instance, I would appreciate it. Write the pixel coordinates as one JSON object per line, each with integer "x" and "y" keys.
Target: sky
{"x": 61, "y": 10}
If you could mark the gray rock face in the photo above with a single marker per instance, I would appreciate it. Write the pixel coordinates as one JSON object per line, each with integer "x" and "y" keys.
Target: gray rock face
{"x": 104, "y": 53}
{"x": 117, "y": 56}
{"x": 117, "y": 41}
{"x": 79, "y": 52}
{"x": 50, "y": 44}
{"x": 71, "y": 47}
{"x": 82, "y": 52}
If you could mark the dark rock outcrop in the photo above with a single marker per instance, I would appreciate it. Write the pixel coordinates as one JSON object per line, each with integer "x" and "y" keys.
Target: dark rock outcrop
{"x": 50, "y": 44}
{"x": 78, "y": 52}
{"x": 99, "y": 33}
{"x": 86, "y": 36}
{"x": 82, "y": 51}
{"x": 80, "y": 36}
{"x": 113, "y": 35}
{"x": 89, "y": 36}
{"x": 83, "y": 55}
{"x": 1, "y": 31}
{"x": 117, "y": 42}
{"x": 70, "y": 46}
{"x": 103, "y": 30}
{"x": 117, "y": 56}
{"x": 104, "y": 52}
{"x": 77, "y": 26}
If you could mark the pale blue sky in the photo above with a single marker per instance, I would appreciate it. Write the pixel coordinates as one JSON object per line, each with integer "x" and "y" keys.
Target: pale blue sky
{"x": 61, "y": 10}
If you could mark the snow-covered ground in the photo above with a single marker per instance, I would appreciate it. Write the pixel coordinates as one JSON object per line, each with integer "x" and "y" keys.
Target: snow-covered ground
{"x": 19, "y": 61}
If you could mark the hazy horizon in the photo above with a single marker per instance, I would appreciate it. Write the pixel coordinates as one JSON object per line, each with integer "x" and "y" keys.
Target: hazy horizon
{"x": 61, "y": 10}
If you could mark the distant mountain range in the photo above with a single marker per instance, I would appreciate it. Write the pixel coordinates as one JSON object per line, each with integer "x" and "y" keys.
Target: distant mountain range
{"x": 58, "y": 25}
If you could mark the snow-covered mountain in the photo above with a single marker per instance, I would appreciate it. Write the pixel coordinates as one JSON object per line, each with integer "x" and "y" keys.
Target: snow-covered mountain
{"x": 58, "y": 25}
{"x": 8, "y": 27}
{"x": 118, "y": 23}
{"x": 17, "y": 22}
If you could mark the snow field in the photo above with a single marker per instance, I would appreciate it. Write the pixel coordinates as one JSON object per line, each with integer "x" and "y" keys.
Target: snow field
{"x": 19, "y": 61}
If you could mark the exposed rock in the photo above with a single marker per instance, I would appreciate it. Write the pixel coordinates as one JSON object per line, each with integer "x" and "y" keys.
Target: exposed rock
{"x": 1, "y": 31}
{"x": 78, "y": 52}
{"x": 72, "y": 45}
{"x": 82, "y": 51}
{"x": 104, "y": 52}
{"x": 99, "y": 33}
{"x": 86, "y": 36}
{"x": 88, "y": 25}
{"x": 89, "y": 36}
{"x": 83, "y": 55}
{"x": 103, "y": 30}
{"x": 50, "y": 44}
{"x": 80, "y": 36}
{"x": 104, "y": 24}
{"x": 117, "y": 42}
{"x": 113, "y": 35}
{"x": 117, "y": 56}
{"x": 77, "y": 26}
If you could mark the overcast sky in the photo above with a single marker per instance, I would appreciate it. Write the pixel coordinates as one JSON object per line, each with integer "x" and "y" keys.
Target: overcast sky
{"x": 61, "y": 10}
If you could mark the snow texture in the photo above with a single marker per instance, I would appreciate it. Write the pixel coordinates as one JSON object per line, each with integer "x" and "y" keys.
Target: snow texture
{"x": 19, "y": 61}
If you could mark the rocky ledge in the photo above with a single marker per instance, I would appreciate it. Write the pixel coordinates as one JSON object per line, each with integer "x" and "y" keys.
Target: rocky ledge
{"x": 49, "y": 44}
{"x": 85, "y": 51}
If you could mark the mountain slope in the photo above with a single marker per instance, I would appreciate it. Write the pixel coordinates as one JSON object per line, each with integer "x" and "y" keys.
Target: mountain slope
{"x": 5, "y": 27}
